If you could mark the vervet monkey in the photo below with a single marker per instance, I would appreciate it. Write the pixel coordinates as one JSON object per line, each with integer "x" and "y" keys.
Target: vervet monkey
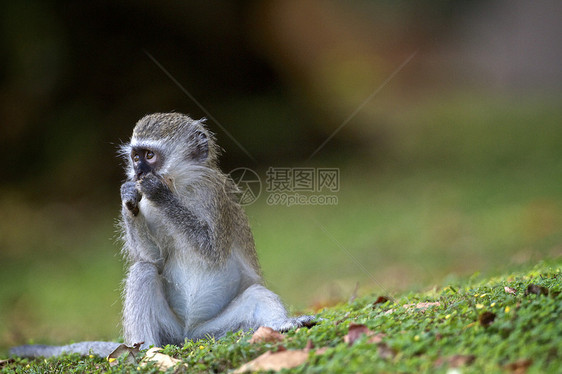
{"x": 193, "y": 270}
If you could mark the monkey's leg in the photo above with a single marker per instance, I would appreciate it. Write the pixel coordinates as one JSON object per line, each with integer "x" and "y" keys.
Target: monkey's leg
{"x": 147, "y": 316}
{"x": 256, "y": 306}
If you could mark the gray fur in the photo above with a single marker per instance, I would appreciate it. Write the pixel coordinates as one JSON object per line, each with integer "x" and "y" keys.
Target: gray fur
{"x": 193, "y": 268}
{"x": 83, "y": 348}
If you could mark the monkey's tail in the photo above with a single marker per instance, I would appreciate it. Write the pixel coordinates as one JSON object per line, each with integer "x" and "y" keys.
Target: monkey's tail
{"x": 101, "y": 349}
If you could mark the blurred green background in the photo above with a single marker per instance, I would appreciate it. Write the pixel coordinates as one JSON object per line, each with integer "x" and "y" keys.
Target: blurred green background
{"x": 449, "y": 154}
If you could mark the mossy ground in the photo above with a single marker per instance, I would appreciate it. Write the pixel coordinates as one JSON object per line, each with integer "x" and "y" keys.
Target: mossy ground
{"x": 474, "y": 325}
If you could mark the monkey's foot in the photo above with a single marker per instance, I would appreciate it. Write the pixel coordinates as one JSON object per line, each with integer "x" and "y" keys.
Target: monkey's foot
{"x": 291, "y": 323}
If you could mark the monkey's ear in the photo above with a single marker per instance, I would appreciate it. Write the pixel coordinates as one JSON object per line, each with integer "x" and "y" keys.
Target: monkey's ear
{"x": 200, "y": 150}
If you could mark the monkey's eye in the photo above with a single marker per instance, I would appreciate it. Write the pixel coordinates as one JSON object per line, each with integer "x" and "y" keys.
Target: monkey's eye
{"x": 136, "y": 157}
{"x": 149, "y": 155}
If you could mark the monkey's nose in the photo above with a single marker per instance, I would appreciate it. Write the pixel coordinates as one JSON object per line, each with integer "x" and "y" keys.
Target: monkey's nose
{"x": 141, "y": 170}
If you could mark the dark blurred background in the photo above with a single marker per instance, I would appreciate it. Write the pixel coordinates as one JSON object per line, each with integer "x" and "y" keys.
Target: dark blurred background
{"x": 451, "y": 143}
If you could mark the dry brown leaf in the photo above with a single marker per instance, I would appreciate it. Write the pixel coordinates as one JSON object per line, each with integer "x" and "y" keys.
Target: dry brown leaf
{"x": 355, "y": 332}
{"x": 162, "y": 361}
{"x": 486, "y": 318}
{"x": 124, "y": 350}
{"x": 266, "y": 335}
{"x": 419, "y": 307}
{"x": 422, "y": 306}
{"x": 510, "y": 290}
{"x": 377, "y": 338}
{"x": 381, "y": 300}
{"x": 519, "y": 366}
{"x": 385, "y": 351}
{"x": 536, "y": 289}
{"x": 455, "y": 361}
{"x": 461, "y": 360}
{"x": 321, "y": 351}
{"x": 275, "y": 361}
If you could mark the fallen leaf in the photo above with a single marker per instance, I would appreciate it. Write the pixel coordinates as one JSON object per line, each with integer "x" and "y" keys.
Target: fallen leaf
{"x": 321, "y": 351}
{"x": 266, "y": 335}
{"x": 519, "y": 366}
{"x": 130, "y": 354}
{"x": 162, "y": 361}
{"x": 275, "y": 361}
{"x": 461, "y": 360}
{"x": 377, "y": 338}
{"x": 536, "y": 289}
{"x": 486, "y": 318}
{"x": 455, "y": 361}
{"x": 381, "y": 300}
{"x": 355, "y": 332}
{"x": 385, "y": 351}
{"x": 422, "y": 306}
{"x": 510, "y": 290}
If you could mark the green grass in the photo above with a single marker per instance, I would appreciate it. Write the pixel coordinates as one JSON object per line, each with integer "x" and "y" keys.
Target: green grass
{"x": 525, "y": 331}
{"x": 408, "y": 230}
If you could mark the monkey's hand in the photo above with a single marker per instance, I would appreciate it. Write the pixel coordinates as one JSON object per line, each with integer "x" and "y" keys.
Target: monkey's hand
{"x": 130, "y": 196}
{"x": 154, "y": 188}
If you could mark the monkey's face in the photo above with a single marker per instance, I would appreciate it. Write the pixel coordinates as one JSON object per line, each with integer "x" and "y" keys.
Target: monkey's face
{"x": 145, "y": 161}
{"x": 171, "y": 146}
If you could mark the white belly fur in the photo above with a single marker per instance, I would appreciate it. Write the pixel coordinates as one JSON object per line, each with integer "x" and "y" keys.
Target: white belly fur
{"x": 196, "y": 292}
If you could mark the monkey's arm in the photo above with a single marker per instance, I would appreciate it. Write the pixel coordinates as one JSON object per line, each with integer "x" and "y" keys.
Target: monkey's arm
{"x": 139, "y": 245}
{"x": 147, "y": 316}
{"x": 195, "y": 228}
